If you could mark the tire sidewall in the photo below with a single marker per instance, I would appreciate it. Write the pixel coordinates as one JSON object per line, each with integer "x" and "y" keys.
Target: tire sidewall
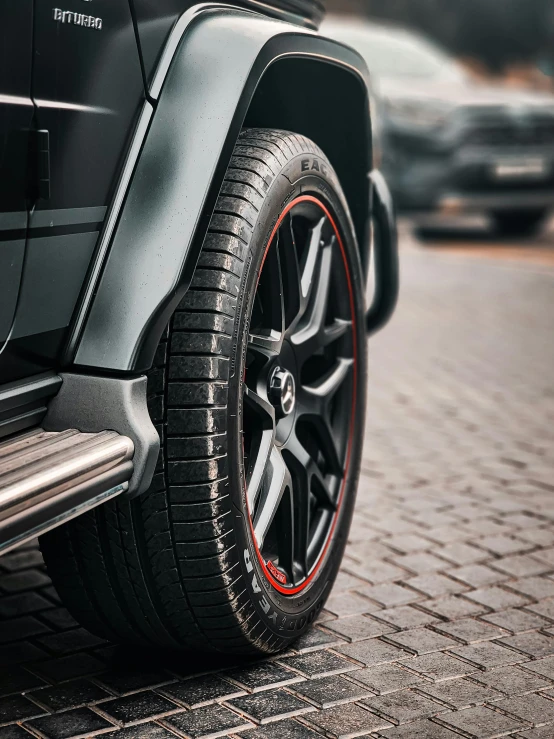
{"x": 289, "y": 615}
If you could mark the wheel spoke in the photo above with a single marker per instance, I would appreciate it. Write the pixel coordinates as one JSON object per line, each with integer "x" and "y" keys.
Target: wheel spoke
{"x": 262, "y": 443}
{"x": 279, "y": 480}
{"x": 310, "y": 264}
{"x": 335, "y": 331}
{"x": 331, "y": 382}
{"x": 308, "y": 339}
{"x": 302, "y": 459}
{"x": 290, "y": 270}
{"x": 266, "y": 346}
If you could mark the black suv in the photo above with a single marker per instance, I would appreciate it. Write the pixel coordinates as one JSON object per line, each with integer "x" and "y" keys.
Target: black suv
{"x": 185, "y": 214}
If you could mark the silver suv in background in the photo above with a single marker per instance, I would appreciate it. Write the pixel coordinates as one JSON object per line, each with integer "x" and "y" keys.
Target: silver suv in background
{"x": 449, "y": 143}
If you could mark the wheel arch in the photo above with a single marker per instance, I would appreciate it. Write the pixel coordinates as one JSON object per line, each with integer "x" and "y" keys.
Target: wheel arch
{"x": 325, "y": 102}
{"x": 227, "y": 69}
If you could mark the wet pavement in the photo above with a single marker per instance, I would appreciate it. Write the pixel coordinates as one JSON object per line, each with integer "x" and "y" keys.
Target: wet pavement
{"x": 441, "y": 623}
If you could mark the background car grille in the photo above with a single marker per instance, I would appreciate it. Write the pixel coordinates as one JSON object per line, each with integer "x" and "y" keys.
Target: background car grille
{"x": 526, "y": 131}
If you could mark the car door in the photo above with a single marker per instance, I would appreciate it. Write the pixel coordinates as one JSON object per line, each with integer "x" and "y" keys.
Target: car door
{"x": 16, "y": 114}
{"x": 87, "y": 87}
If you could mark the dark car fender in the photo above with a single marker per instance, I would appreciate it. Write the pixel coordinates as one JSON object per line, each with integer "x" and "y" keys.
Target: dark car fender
{"x": 223, "y": 68}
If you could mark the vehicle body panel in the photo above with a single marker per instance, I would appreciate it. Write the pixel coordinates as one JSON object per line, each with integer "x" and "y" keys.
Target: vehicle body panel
{"x": 87, "y": 87}
{"x": 220, "y": 63}
{"x": 16, "y": 115}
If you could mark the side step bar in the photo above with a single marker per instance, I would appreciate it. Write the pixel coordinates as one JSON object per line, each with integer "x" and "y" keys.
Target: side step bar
{"x": 48, "y": 477}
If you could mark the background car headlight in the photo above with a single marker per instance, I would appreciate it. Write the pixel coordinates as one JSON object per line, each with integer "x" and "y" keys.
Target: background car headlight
{"x": 417, "y": 114}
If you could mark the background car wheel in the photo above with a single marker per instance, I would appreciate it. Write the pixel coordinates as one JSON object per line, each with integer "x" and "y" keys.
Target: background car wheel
{"x": 519, "y": 222}
{"x": 258, "y": 393}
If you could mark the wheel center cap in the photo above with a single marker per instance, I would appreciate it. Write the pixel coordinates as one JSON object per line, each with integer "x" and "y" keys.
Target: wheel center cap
{"x": 282, "y": 391}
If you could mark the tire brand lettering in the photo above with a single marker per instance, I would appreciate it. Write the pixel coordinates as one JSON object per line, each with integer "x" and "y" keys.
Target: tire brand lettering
{"x": 247, "y": 561}
{"x": 77, "y": 19}
{"x": 256, "y": 588}
{"x": 311, "y": 164}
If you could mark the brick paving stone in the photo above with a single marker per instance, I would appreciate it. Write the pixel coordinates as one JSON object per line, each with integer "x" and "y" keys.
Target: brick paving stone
{"x": 404, "y": 706}
{"x": 316, "y": 639}
{"x": 288, "y": 728}
{"x": 422, "y": 641}
{"x": 265, "y": 675}
{"x": 532, "y": 644}
{"x": 58, "y": 618}
{"x": 142, "y": 731}
{"x": 460, "y": 553}
{"x": 390, "y": 594}
{"x": 534, "y": 587}
{"x": 405, "y": 543}
{"x": 420, "y": 562}
{"x": 497, "y": 598}
{"x": 373, "y": 652}
{"x": 197, "y": 692}
{"x": 207, "y": 723}
{"x": 542, "y": 732}
{"x": 543, "y": 608}
{"x": 18, "y": 708}
{"x": 503, "y": 544}
{"x": 522, "y": 565}
{"x": 470, "y": 631}
{"x": 477, "y": 575}
{"x": 383, "y": 679}
{"x": 516, "y": 620}
{"x": 454, "y": 606}
{"x": 380, "y": 572}
{"x": 461, "y": 693}
{"x": 14, "y": 629}
{"x": 357, "y": 628}
{"x": 14, "y": 731}
{"x": 533, "y": 708}
{"x": 122, "y": 682}
{"x": 488, "y": 654}
{"x": 546, "y": 555}
{"x": 320, "y": 664}
{"x": 69, "y": 695}
{"x": 69, "y": 641}
{"x": 25, "y": 580}
{"x": 512, "y": 680}
{"x": 435, "y": 585}
{"x": 330, "y": 691}
{"x": 349, "y": 604}
{"x": 137, "y": 707}
{"x": 405, "y": 617}
{"x": 346, "y": 721}
{"x": 481, "y": 722}
{"x": 439, "y": 666}
{"x": 69, "y": 667}
{"x": 542, "y": 667}
{"x": 79, "y": 722}
{"x": 425, "y": 729}
{"x": 21, "y": 604}
{"x": 270, "y": 705}
{"x": 14, "y": 679}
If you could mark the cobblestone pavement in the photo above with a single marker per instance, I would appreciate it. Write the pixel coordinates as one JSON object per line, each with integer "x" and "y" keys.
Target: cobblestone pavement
{"x": 441, "y": 623}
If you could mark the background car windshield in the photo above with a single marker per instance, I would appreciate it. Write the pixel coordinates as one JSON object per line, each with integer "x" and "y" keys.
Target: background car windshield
{"x": 397, "y": 55}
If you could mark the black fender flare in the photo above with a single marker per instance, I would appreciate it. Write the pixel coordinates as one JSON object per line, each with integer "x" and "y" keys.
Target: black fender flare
{"x": 207, "y": 95}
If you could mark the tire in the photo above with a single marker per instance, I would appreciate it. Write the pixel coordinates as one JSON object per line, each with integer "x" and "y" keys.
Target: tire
{"x": 519, "y": 222}
{"x": 205, "y": 559}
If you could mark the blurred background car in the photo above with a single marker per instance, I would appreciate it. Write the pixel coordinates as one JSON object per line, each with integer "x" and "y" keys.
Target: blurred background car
{"x": 449, "y": 143}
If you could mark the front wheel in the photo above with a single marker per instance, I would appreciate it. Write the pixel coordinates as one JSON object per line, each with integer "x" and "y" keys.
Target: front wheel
{"x": 259, "y": 397}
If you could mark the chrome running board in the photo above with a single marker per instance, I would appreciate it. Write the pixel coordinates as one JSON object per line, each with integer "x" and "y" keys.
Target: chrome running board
{"x": 48, "y": 477}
